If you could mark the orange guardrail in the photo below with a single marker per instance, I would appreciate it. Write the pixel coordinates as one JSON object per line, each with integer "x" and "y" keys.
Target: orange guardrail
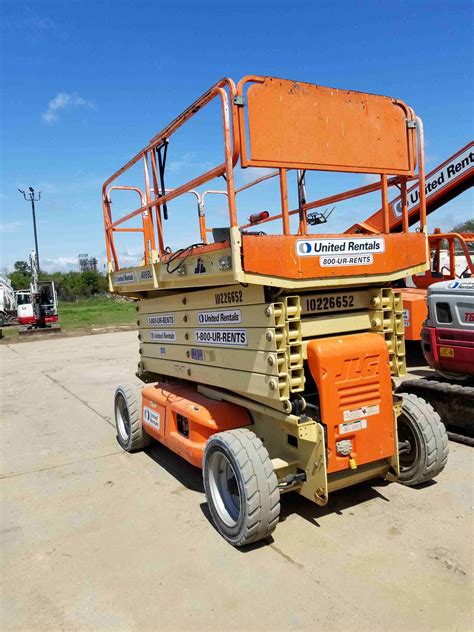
{"x": 285, "y": 125}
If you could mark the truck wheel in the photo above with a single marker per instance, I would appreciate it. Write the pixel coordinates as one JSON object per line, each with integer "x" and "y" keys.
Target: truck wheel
{"x": 422, "y": 441}
{"x": 241, "y": 486}
{"x": 128, "y": 418}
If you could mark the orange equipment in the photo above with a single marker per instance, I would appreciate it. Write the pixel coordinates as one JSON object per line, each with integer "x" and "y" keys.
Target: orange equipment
{"x": 183, "y": 419}
{"x": 272, "y": 355}
{"x": 349, "y": 370}
{"x": 448, "y": 180}
{"x": 445, "y": 182}
{"x": 460, "y": 265}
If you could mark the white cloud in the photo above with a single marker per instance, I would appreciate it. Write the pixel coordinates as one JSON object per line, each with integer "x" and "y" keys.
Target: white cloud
{"x": 59, "y": 264}
{"x": 10, "y": 227}
{"x": 63, "y": 101}
{"x": 130, "y": 257}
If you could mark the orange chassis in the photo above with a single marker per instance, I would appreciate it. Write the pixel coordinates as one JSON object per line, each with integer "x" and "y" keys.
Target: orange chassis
{"x": 350, "y": 372}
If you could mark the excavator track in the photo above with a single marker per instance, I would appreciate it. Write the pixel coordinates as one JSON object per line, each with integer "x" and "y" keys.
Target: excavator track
{"x": 453, "y": 402}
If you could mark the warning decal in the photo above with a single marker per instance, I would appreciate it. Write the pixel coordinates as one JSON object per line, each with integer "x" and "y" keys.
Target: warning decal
{"x": 364, "y": 411}
{"x": 353, "y": 427}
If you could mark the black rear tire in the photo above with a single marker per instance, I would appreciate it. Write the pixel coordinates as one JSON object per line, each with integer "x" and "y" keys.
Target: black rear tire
{"x": 128, "y": 418}
{"x": 241, "y": 486}
{"x": 423, "y": 442}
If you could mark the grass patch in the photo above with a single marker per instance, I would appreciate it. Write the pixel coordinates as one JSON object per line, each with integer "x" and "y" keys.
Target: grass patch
{"x": 10, "y": 332}
{"x": 96, "y": 312}
{"x": 88, "y": 314}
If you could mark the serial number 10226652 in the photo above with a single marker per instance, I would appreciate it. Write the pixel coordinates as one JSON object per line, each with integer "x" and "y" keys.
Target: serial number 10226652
{"x": 325, "y": 303}
{"x": 235, "y": 296}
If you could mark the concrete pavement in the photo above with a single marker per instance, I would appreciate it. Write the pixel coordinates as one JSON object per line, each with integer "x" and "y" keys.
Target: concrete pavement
{"x": 97, "y": 539}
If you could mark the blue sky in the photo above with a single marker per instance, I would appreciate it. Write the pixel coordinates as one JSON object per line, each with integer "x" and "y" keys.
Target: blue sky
{"x": 87, "y": 84}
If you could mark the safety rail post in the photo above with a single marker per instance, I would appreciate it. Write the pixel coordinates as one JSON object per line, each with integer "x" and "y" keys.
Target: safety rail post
{"x": 229, "y": 164}
{"x": 452, "y": 255}
{"x": 404, "y": 201}
{"x": 386, "y": 218}
{"x": 201, "y": 215}
{"x": 202, "y": 221}
{"x": 109, "y": 245}
{"x": 147, "y": 216}
{"x": 284, "y": 202}
{"x": 438, "y": 255}
{"x": 202, "y": 209}
{"x": 302, "y": 226}
{"x": 421, "y": 173}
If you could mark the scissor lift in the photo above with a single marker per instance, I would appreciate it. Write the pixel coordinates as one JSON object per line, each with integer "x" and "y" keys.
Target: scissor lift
{"x": 269, "y": 358}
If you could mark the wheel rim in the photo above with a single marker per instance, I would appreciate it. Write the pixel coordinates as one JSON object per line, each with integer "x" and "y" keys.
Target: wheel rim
{"x": 408, "y": 448}
{"x": 122, "y": 416}
{"x": 224, "y": 489}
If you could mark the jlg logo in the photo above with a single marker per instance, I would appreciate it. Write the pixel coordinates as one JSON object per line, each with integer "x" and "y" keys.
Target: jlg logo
{"x": 356, "y": 368}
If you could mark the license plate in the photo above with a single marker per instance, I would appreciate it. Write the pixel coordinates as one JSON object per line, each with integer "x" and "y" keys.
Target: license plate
{"x": 446, "y": 352}
{"x": 317, "y": 303}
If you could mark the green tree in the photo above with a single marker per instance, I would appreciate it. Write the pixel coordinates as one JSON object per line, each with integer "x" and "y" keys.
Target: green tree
{"x": 69, "y": 285}
{"x": 23, "y": 267}
{"x": 464, "y": 227}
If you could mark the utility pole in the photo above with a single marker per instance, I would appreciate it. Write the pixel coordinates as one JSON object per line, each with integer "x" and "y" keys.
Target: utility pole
{"x": 30, "y": 197}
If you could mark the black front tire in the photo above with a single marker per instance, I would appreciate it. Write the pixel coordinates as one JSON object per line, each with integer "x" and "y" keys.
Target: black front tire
{"x": 423, "y": 441}
{"x": 241, "y": 486}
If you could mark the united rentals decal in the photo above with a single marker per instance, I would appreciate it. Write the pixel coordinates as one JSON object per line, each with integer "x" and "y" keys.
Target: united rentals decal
{"x": 124, "y": 277}
{"x": 339, "y": 246}
{"x": 341, "y": 252}
{"x": 162, "y": 335}
{"x": 454, "y": 169}
{"x": 151, "y": 417}
{"x": 224, "y": 317}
